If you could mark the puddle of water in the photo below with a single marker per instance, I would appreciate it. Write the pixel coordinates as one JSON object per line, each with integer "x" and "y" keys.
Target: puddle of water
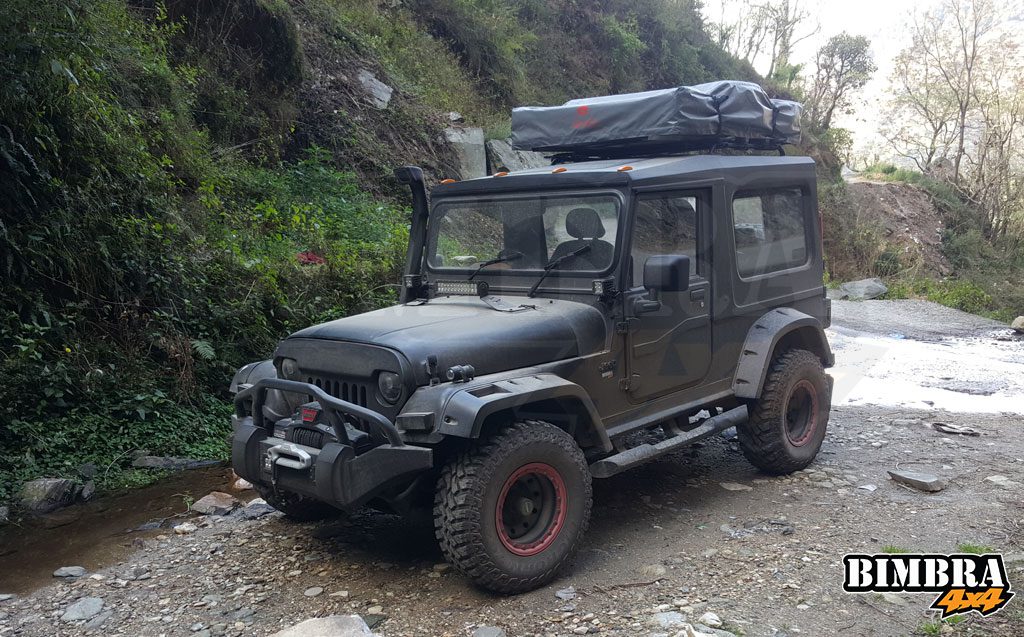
{"x": 957, "y": 374}
{"x": 98, "y": 533}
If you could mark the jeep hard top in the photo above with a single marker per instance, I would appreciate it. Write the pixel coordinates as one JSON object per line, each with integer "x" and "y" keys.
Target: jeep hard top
{"x": 555, "y": 325}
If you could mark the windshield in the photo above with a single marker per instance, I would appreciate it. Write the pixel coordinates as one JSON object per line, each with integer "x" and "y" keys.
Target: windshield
{"x": 524, "y": 233}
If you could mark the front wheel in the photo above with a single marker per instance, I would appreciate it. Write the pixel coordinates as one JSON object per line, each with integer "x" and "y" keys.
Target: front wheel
{"x": 509, "y": 512}
{"x": 787, "y": 421}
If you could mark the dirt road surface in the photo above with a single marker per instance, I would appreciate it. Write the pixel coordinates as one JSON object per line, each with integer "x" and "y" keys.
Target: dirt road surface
{"x": 698, "y": 531}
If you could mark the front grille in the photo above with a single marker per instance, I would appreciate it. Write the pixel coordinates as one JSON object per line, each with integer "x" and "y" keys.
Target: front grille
{"x": 308, "y": 437}
{"x": 348, "y": 391}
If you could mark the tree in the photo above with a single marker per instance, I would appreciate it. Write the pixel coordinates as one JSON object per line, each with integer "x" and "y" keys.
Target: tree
{"x": 753, "y": 30}
{"x": 842, "y": 66}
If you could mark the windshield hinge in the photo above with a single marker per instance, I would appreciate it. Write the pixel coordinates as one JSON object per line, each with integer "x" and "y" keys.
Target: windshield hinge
{"x": 626, "y": 326}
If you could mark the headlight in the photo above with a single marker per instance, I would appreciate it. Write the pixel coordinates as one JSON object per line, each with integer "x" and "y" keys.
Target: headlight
{"x": 289, "y": 368}
{"x": 389, "y": 384}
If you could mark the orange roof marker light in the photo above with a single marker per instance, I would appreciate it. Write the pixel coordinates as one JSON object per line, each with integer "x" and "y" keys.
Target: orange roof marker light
{"x": 560, "y": 169}
{"x": 501, "y": 174}
{"x": 448, "y": 181}
{"x": 623, "y": 169}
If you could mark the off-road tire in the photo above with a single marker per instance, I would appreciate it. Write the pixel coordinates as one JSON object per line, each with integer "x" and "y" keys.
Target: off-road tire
{"x": 768, "y": 439}
{"x": 475, "y": 483}
{"x": 296, "y": 507}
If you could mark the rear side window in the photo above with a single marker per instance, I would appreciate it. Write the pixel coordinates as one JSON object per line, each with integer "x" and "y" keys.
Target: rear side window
{"x": 769, "y": 230}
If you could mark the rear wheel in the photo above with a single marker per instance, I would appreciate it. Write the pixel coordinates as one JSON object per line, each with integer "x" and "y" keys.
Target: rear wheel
{"x": 296, "y": 507}
{"x": 788, "y": 420}
{"x": 509, "y": 513}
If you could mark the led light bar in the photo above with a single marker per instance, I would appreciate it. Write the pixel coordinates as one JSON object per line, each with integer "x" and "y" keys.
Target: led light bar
{"x": 459, "y": 288}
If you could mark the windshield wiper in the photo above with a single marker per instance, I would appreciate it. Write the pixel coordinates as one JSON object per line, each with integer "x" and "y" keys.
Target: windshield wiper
{"x": 501, "y": 258}
{"x": 556, "y": 263}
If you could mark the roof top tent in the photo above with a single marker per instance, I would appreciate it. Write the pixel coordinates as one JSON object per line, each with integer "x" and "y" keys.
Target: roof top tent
{"x": 725, "y": 114}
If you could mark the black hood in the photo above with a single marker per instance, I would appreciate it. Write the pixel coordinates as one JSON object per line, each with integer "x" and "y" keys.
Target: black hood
{"x": 465, "y": 330}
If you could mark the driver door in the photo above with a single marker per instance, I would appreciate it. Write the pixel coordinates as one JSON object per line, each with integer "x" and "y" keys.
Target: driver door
{"x": 670, "y": 349}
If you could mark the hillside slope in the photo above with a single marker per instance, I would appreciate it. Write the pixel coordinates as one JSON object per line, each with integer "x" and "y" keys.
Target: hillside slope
{"x": 184, "y": 182}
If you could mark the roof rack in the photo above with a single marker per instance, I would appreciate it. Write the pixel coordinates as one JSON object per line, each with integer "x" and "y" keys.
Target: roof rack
{"x": 663, "y": 149}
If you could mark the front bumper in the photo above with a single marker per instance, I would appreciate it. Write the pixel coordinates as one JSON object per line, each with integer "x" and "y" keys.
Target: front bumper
{"x": 334, "y": 474}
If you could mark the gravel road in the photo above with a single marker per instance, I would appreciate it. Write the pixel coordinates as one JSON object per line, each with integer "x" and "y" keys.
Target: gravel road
{"x": 695, "y": 532}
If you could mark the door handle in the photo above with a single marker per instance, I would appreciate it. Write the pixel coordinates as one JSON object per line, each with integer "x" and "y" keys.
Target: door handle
{"x": 698, "y": 295}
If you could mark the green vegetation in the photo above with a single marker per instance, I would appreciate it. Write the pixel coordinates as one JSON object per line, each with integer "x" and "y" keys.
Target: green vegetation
{"x": 892, "y": 549}
{"x": 177, "y": 199}
{"x": 976, "y": 549}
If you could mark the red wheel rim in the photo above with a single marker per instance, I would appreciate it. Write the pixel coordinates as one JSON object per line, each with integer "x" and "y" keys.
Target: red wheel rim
{"x": 801, "y": 413}
{"x": 531, "y": 509}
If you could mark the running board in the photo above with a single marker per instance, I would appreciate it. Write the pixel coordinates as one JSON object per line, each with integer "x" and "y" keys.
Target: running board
{"x": 638, "y": 455}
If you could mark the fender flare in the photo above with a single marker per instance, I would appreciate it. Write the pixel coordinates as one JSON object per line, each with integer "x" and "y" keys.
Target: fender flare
{"x": 763, "y": 338}
{"x": 464, "y": 410}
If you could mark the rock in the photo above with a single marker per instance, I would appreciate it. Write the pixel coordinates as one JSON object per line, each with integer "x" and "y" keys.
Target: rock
{"x": 1018, "y": 325}
{"x": 894, "y": 599}
{"x": 47, "y": 494}
{"x": 172, "y": 464}
{"x": 85, "y": 608}
{"x": 97, "y": 622}
{"x": 257, "y": 509}
{"x": 455, "y": 117}
{"x": 375, "y": 619}
{"x": 6, "y": 597}
{"x": 330, "y": 626}
{"x": 862, "y": 290}
{"x": 185, "y": 528}
{"x": 241, "y": 484}
{"x": 733, "y": 486}
{"x": 69, "y": 571}
{"x": 379, "y": 92}
{"x": 959, "y": 430}
{"x": 216, "y": 503}
{"x": 5, "y": 515}
{"x": 468, "y": 144}
{"x": 653, "y": 571}
{"x": 313, "y": 591}
{"x": 566, "y": 594}
{"x": 88, "y": 491}
{"x": 710, "y": 619}
{"x": 87, "y": 471}
{"x": 502, "y": 156}
{"x": 489, "y": 631}
{"x": 375, "y": 610}
{"x": 1002, "y": 481}
{"x": 870, "y": 488}
{"x": 668, "y": 619}
{"x": 919, "y": 480}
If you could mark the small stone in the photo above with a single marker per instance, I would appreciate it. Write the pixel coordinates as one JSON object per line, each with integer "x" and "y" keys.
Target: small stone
{"x": 566, "y": 594}
{"x": 443, "y": 567}
{"x": 668, "y": 619}
{"x": 733, "y": 486}
{"x": 341, "y": 594}
{"x": 653, "y": 571}
{"x": 802, "y": 606}
{"x": 185, "y": 528}
{"x": 1002, "y": 481}
{"x": 489, "y": 631}
{"x": 87, "y": 470}
{"x": 97, "y": 622}
{"x": 69, "y": 571}
{"x": 216, "y": 503}
{"x": 870, "y": 488}
{"x": 88, "y": 491}
{"x": 85, "y": 608}
{"x": 334, "y": 625}
{"x": 6, "y": 597}
{"x": 894, "y": 599}
{"x": 710, "y": 619}
{"x": 906, "y": 422}
{"x": 241, "y": 484}
{"x": 375, "y": 610}
{"x": 198, "y": 626}
{"x": 919, "y": 480}
{"x": 256, "y": 509}
{"x": 313, "y": 591}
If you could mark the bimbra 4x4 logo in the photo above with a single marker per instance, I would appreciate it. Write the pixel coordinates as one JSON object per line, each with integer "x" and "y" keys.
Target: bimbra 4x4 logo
{"x": 964, "y": 582}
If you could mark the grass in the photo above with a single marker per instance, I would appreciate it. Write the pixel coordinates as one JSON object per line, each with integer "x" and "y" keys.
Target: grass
{"x": 892, "y": 549}
{"x": 976, "y": 549}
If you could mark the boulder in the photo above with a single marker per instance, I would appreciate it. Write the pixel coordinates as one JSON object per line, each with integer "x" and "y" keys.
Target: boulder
{"x": 1018, "y": 325}
{"x": 47, "y": 494}
{"x": 862, "y": 290}
{"x": 470, "y": 149}
{"x": 216, "y": 503}
{"x": 502, "y": 156}
{"x": 330, "y": 626}
{"x": 85, "y": 608}
{"x": 257, "y": 509}
{"x": 378, "y": 92}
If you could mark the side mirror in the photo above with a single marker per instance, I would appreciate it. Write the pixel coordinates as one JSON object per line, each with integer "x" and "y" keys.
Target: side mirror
{"x": 667, "y": 273}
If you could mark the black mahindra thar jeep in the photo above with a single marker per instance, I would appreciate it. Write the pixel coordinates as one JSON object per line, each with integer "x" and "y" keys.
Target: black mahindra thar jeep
{"x": 644, "y": 283}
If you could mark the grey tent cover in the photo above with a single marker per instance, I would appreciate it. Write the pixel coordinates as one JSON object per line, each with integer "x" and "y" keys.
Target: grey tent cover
{"x": 694, "y": 115}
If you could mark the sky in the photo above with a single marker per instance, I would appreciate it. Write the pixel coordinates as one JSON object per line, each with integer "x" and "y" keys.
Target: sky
{"x": 883, "y": 22}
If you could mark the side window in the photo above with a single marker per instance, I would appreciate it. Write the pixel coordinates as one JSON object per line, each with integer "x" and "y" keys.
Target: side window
{"x": 664, "y": 225}
{"x": 769, "y": 230}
